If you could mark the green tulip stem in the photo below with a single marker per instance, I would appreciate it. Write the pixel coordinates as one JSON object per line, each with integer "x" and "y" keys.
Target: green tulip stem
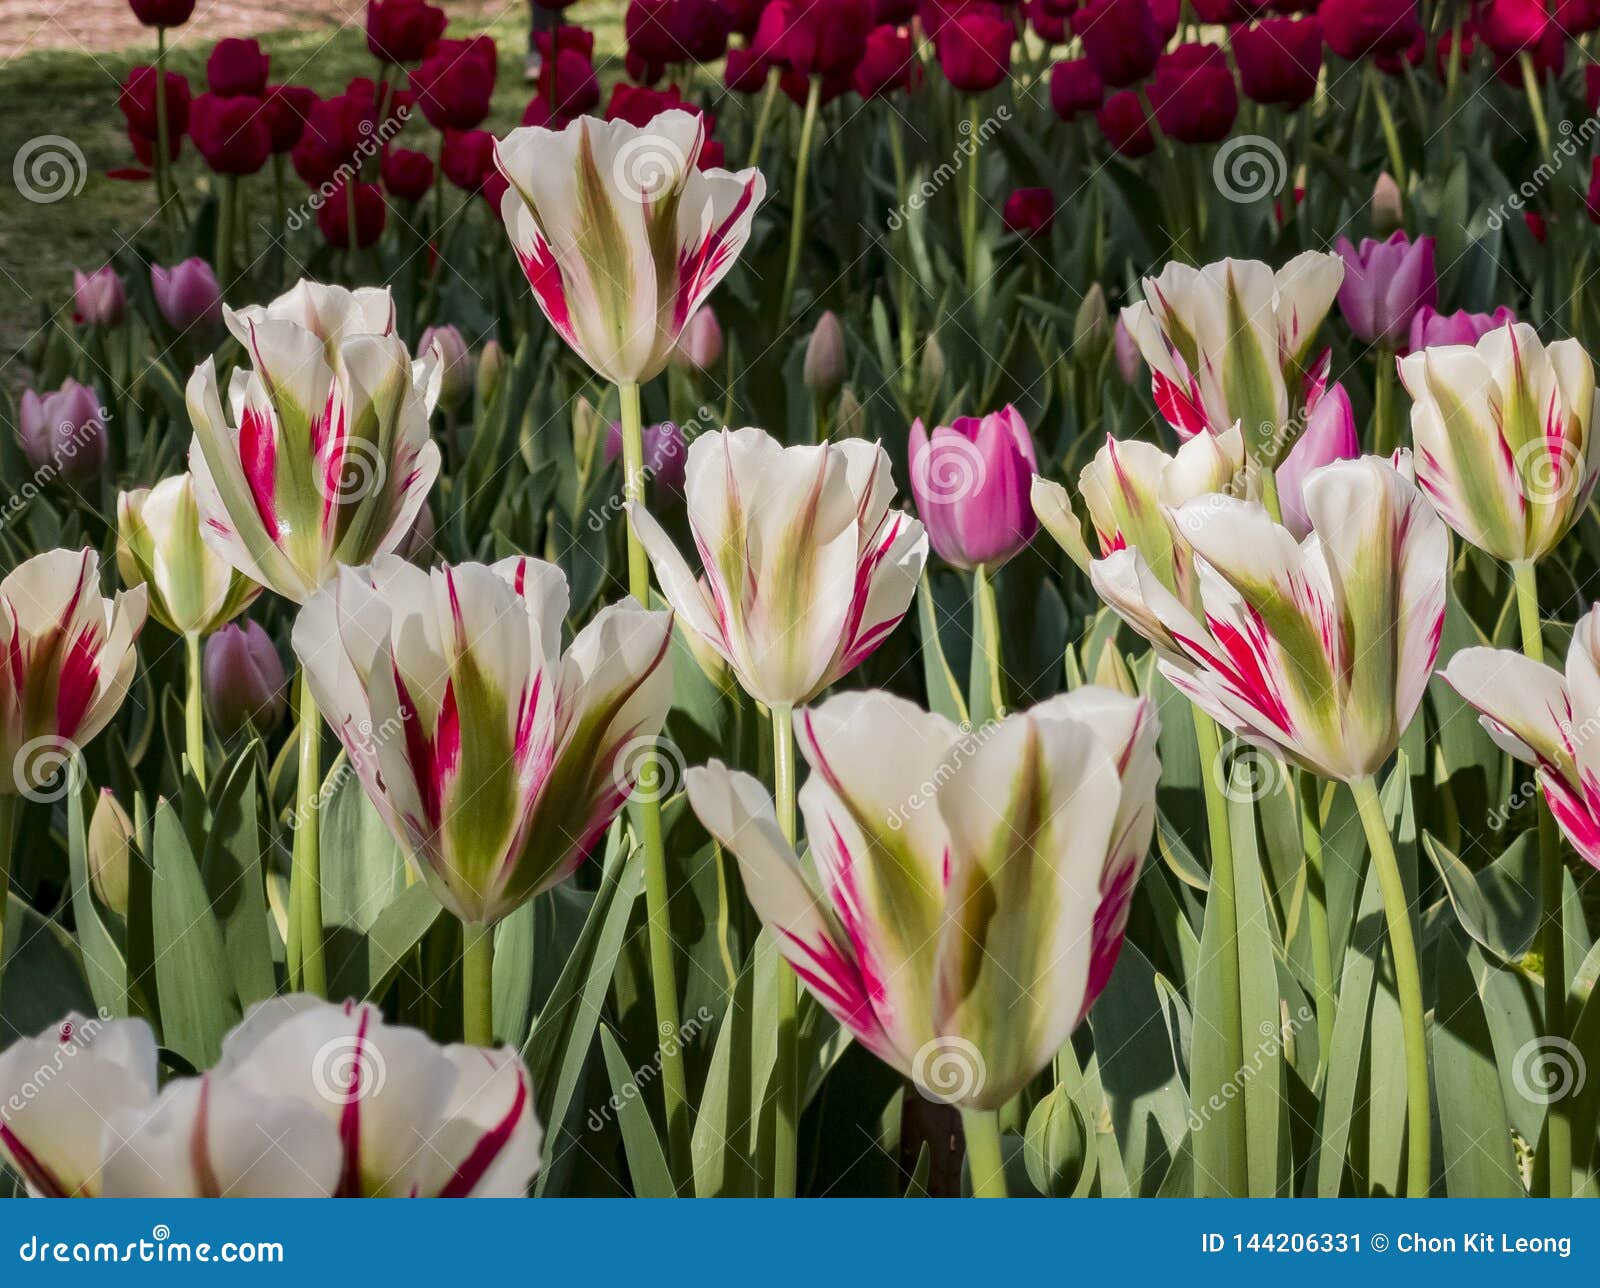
{"x": 194, "y": 726}
{"x": 769, "y": 100}
{"x": 227, "y": 198}
{"x": 988, "y": 701}
{"x": 1384, "y": 436}
{"x": 1269, "y": 494}
{"x": 1558, "y": 1121}
{"x": 1408, "y": 983}
{"x": 985, "y": 1162}
{"x": 787, "y": 1074}
{"x": 305, "y": 879}
{"x": 657, "y": 892}
{"x": 477, "y": 985}
{"x": 1391, "y": 136}
{"x": 161, "y": 154}
{"x": 797, "y": 226}
{"x": 1307, "y": 792}
{"x": 1530, "y": 83}
{"x": 9, "y": 815}
{"x": 969, "y": 207}
{"x": 1208, "y": 742}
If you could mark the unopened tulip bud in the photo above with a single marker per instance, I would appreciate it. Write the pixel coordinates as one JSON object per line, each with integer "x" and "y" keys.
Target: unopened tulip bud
{"x": 98, "y": 298}
{"x": 1093, "y": 324}
{"x": 1111, "y": 672}
{"x": 851, "y": 419}
{"x": 700, "y": 345}
{"x": 491, "y": 370}
{"x": 825, "y": 359}
{"x": 244, "y": 680}
{"x": 1128, "y": 359}
{"x": 187, "y": 295}
{"x": 110, "y": 838}
{"x": 63, "y": 433}
{"x": 932, "y": 373}
{"x": 192, "y": 589}
{"x": 585, "y": 431}
{"x": 455, "y": 359}
{"x": 1387, "y": 207}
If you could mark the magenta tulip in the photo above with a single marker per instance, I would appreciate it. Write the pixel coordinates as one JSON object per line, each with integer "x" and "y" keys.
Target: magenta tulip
{"x": 1385, "y": 283}
{"x": 971, "y": 483}
{"x": 1431, "y": 329}
{"x": 1330, "y": 436}
{"x": 187, "y": 295}
{"x": 63, "y": 433}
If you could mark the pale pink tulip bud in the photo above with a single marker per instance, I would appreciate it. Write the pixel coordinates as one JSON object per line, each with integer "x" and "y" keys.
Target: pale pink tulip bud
{"x": 244, "y": 680}
{"x": 187, "y": 295}
{"x": 700, "y": 345}
{"x": 98, "y": 298}
{"x": 63, "y": 433}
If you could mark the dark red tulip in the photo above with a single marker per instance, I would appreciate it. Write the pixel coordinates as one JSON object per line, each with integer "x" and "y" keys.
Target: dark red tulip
{"x": 579, "y": 40}
{"x": 1123, "y": 122}
{"x": 1030, "y": 212}
{"x": 814, "y": 37}
{"x": 745, "y": 72}
{"x": 162, "y": 13}
{"x": 286, "y": 109}
{"x": 333, "y": 215}
{"x": 1049, "y": 25}
{"x": 406, "y": 174}
{"x": 237, "y": 66}
{"x": 1193, "y": 94}
{"x": 1222, "y": 12}
{"x": 1576, "y": 17}
{"x": 975, "y": 50}
{"x": 1279, "y": 59}
{"x": 455, "y": 81}
{"x": 1441, "y": 50}
{"x": 400, "y": 31}
{"x": 1393, "y": 62}
{"x": 888, "y": 63}
{"x": 639, "y": 104}
{"x": 1120, "y": 39}
{"x": 744, "y": 16}
{"x": 230, "y": 132}
{"x": 467, "y": 156}
{"x": 137, "y": 100}
{"x": 1356, "y": 28}
{"x": 893, "y": 11}
{"x": 798, "y": 88}
{"x": 336, "y": 130}
{"x": 1549, "y": 58}
{"x": 1075, "y": 87}
{"x": 676, "y": 31}
{"x": 1510, "y": 26}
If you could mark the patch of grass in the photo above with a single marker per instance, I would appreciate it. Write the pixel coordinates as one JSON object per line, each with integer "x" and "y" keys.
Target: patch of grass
{"x": 74, "y": 95}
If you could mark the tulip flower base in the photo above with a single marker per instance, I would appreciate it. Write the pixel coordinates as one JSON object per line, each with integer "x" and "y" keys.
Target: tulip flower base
{"x": 466, "y": 730}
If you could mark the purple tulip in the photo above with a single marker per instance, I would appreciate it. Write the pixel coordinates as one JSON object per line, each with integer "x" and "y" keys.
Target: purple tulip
{"x": 666, "y": 456}
{"x": 455, "y": 385}
{"x": 1128, "y": 359}
{"x": 1330, "y": 436}
{"x": 1430, "y": 329}
{"x": 98, "y": 298}
{"x": 63, "y": 433}
{"x": 971, "y": 482}
{"x": 243, "y": 680}
{"x": 1385, "y": 283}
{"x": 187, "y": 295}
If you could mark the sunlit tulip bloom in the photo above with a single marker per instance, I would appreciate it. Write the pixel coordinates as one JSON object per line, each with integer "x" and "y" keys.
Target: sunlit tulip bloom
{"x": 497, "y": 761}
{"x": 414, "y": 1118}
{"x": 1227, "y": 343}
{"x": 209, "y": 1137}
{"x": 192, "y": 591}
{"x": 67, "y": 662}
{"x": 807, "y": 569}
{"x": 326, "y": 458}
{"x": 59, "y": 1088}
{"x": 974, "y": 887}
{"x": 970, "y": 481}
{"x": 1330, "y": 435}
{"x": 621, "y": 235}
{"x": 1318, "y": 650}
{"x": 1547, "y": 719}
{"x": 1503, "y": 438}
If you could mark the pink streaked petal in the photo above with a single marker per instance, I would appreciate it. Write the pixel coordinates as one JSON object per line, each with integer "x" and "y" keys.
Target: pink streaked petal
{"x": 833, "y": 979}
{"x": 488, "y": 1147}
{"x": 350, "y": 1112}
{"x": 1178, "y": 408}
{"x": 544, "y": 276}
{"x": 258, "y": 453}
{"x": 700, "y": 266}
{"x": 1575, "y": 813}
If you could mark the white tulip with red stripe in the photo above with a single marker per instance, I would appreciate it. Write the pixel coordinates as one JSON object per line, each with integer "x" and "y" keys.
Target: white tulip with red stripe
{"x": 620, "y": 233}
{"x": 1504, "y": 438}
{"x": 974, "y": 887}
{"x": 1548, "y": 719}
{"x": 325, "y": 459}
{"x": 807, "y": 569}
{"x": 66, "y": 661}
{"x": 413, "y": 1119}
{"x": 159, "y": 545}
{"x": 1318, "y": 650}
{"x": 497, "y": 761}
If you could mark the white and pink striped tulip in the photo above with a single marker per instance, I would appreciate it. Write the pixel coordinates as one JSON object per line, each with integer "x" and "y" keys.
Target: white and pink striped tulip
{"x": 1318, "y": 650}
{"x": 1547, "y": 718}
{"x": 326, "y": 459}
{"x": 66, "y": 661}
{"x": 974, "y": 886}
{"x": 620, "y": 233}
{"x": 807, "y": 569}
{"x": 497, "y": 761}
{"x": 1504, "y": 437}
